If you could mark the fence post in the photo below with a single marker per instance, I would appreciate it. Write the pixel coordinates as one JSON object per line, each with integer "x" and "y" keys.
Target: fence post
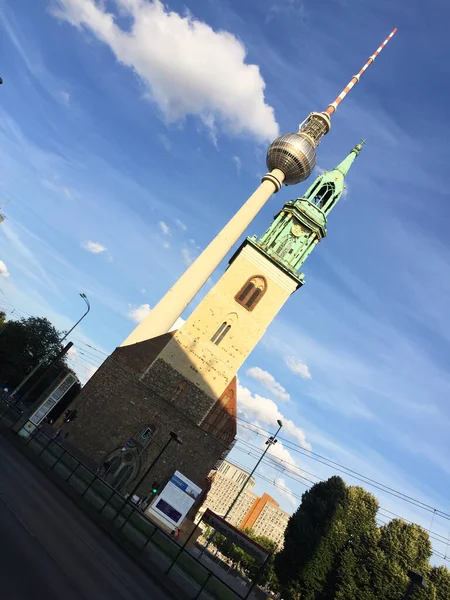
{"x": 184, "y": 546}
{"x": 203, "y": 586}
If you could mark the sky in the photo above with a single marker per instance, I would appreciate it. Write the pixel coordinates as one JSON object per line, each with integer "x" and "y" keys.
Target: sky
{"x": 131, "y": 131}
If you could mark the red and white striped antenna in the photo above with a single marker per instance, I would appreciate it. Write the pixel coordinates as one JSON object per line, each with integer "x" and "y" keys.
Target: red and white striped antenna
{"x": 354, "y": 80}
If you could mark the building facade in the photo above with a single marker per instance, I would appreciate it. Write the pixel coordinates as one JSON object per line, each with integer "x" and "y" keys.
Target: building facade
{"x": 185, "y": 381}
{"x": 261, "y": 514}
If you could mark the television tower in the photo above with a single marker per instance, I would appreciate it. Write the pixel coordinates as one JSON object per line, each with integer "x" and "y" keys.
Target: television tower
{"x": 290, "y": 159}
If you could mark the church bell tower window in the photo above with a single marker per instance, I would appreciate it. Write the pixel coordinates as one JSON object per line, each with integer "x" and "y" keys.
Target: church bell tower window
{"x": 251, "y": 292}
{"x": 220, "y": 333}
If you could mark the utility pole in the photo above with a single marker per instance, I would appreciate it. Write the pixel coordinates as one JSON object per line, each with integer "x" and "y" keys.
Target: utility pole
{"x": 172, "y": 437}
{"x": 46, "y": 357}
{"x": 270, "y": 442}
{"x": 416, "y": 580}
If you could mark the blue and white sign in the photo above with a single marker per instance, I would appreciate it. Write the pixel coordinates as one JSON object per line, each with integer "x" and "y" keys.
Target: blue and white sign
{"x": 175, "y": 500}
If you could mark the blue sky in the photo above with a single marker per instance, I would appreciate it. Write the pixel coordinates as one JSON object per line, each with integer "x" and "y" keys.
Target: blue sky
{"x": 125, "y": 145}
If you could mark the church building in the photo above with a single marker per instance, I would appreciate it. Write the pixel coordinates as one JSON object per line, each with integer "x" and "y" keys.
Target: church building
{"x": 184, "y": 381}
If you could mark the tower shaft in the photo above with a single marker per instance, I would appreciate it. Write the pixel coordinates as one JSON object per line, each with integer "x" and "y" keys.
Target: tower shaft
{"x": 354, "y": 80}
{"x": 172, "y": 305}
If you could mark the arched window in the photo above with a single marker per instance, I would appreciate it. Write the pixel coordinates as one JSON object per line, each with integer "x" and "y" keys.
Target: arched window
{"x": 323, "y": 194}
{"x": 252, "y": 292}
{"x": 221, "y": 333}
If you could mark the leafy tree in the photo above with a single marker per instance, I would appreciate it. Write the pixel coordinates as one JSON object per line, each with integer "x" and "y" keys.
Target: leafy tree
{"x": 2, "y": 318}
{"x": 335, "y": 551}
{"x": 308, "y": 556}
{"x": 246, "y": 563}
{"x": 23, "y": 344}
{"x": 438, "y": 583}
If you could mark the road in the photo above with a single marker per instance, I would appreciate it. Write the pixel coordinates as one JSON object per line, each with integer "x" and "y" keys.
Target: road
{"x": 51, "y": 550}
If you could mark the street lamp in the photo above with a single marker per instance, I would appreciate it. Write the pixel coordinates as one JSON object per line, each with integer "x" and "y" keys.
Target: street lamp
{"x": 88, "y": 304}
{"x": 416, "y": 580}
{"x": 44, "y": 359}
{"x": 271, "y": 441}
{"x": 172, "y": 437}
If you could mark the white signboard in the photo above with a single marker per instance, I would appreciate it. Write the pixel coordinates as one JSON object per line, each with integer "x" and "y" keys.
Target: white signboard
{"x": 175, "y": 500}
{"x": 50, "y": 402}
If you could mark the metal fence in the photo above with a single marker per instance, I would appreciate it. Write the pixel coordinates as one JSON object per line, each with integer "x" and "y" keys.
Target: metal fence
{"x": 132, "y": 528}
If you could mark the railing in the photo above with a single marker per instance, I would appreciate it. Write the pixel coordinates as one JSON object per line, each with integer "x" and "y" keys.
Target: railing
{"x": 132, "y": 528}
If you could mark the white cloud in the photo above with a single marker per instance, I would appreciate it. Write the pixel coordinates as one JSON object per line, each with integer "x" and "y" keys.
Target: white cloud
{"x": 165, "y": 142}
{"x": 238, "y": 162}
{"x": 164, "y": 228}
{"x": 165, "y": 245}
{"x": 188, "y": 256}
{"x": 266, "y": 412}
{"x": 269, "y": 381}
{"x": 94, "y": 247}
{"x": 3, "y": 270}
{"x": 181, "y": 225}
{"x": 285, "y": 491}
{"x": 189, "y": 68}
{"x": 298, "y": 367}
{"x": 138, "y": 313}
{"x": 65, "y": 97}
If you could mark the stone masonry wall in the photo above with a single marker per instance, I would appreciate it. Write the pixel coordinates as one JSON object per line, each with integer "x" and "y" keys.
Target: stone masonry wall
{"x": 115, "y": 405}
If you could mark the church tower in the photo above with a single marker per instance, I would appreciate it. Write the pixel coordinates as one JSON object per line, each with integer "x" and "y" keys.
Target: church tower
{"x": 210, "y": 347}
{"x": 185, "y": 381}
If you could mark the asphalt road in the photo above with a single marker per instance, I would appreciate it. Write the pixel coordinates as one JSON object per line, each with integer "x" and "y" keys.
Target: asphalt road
{"x": 50, "y": 550}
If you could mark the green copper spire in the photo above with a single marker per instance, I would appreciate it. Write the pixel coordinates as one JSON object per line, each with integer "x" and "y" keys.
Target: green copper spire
{"x": 301, "y": 223}
{"x": 329, "y": 187}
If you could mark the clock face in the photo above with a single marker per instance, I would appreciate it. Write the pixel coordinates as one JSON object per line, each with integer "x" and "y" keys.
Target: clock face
{"x": 297, "y": 230}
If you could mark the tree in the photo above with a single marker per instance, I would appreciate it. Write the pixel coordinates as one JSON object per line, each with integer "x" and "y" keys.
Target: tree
{"x": 2, "y": 318}
{"x": 23, "y": 344}
{"x": 335, "y": 551}
{"x": 311, "y": 540}
{"x": 246, "y": 563}
{"x": 438, "y": 584}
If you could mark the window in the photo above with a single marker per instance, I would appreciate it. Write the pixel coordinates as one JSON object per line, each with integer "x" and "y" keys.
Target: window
{"x": 221, "y": 333}
{"x": 252, "y": 292}
{"x": 321, "y": 196}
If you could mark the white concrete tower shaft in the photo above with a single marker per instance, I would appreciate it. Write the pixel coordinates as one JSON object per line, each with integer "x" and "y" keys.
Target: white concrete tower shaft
{"x": 174, "y": 302}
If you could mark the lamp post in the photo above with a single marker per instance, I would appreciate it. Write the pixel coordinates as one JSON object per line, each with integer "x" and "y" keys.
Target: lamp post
{"x": 172, "y": 437}
{"x": 416, "y": 580}
{"x": 270, "y": 442}
{"x": 44, "y": 359}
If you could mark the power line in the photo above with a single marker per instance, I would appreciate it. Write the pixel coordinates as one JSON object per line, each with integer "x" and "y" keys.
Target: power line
{"x": 294, "y": 495}
{"x": 294, "y": 476}
{"x": 289, "y": 445}
{"x": 343, "y": 469}
{"x": 307, "y": 453}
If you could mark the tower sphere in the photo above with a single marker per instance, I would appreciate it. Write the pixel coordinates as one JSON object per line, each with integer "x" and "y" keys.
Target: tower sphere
{"x": 294, "y": 155}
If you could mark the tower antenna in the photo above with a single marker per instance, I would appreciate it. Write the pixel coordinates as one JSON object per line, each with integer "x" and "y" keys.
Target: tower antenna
{"x": 354, "y": 80}
{"x": 291, "y": 158}
{"x": 295, "y": 153}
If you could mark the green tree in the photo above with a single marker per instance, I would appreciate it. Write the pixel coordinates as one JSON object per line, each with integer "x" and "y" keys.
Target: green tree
{"x": 246, "y": 563}
{"x": 23, "y": 344}
{"x": 438, "y": 583}
{"x": 2, "y": 318}
{"x": 335, "y": 551}
{"x": 401, "y": 546}
{"x": 312, "y": 539}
